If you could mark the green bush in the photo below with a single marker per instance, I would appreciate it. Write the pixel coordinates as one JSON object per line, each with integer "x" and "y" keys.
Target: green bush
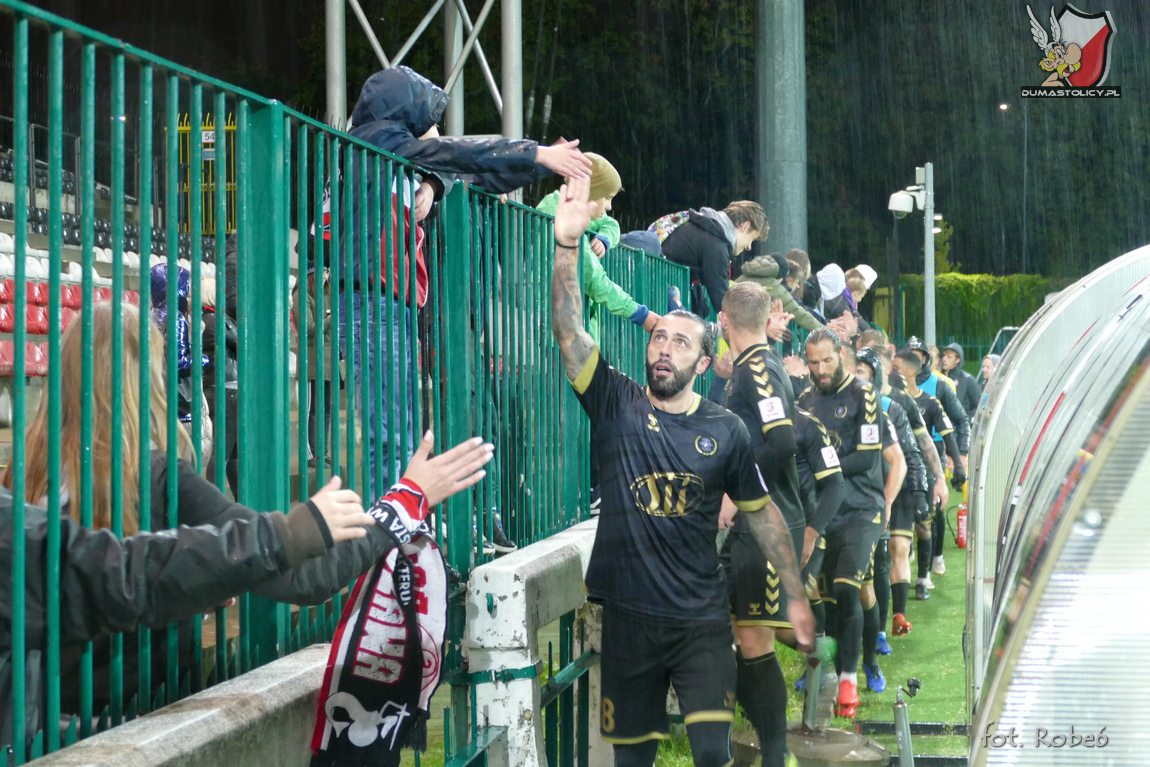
{"x": 974, "y": 304}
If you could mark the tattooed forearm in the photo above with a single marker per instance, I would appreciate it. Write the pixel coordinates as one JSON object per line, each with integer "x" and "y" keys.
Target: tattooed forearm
{"x": 575, "y": 345}
{"x": 929, "y": 454}
{"x": 774, "y": 539}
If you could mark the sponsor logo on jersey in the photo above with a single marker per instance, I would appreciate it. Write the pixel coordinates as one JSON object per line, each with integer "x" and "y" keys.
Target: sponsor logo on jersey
{"x": 670, "y": 494}
{"x": 772, "y": 409}
{"x": 706, "y": 445}
{"x": 830, "y": 457}
{"x": 870, "y": 434}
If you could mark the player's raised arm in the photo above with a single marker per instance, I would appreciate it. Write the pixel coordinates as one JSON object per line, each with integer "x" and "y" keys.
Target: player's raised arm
{"x": 571, "y": 220}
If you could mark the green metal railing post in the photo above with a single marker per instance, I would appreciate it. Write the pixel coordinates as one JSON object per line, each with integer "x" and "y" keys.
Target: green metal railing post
{"x": 144, "y": 413}
{"x": 457, "y": 360}
{"x": 88, "y": 181}
{"x": 20, "y": 213}
{"x": 172, "y": 227}
{"x": 263, "y": 306}
{"x": 55, "y": 245}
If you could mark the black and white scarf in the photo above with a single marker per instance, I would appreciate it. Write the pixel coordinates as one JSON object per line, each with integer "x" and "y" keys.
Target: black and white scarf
{"x": 387, "y": 654}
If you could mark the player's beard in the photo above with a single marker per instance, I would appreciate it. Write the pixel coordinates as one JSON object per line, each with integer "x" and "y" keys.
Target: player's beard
{"x": 832, "y": 385}
{"x": 668, "y": 388}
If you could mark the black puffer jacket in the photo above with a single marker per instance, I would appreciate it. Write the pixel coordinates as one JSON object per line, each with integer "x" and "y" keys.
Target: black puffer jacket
{"x": 704, "y": 246}
{"x": 109, "y": 585}
{"x": 397, "y": 106}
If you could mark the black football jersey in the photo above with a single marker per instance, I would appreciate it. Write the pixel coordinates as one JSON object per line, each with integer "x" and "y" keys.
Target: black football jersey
{"x": 852, "y": 417}
{"x": 935, "y": 419}
{"x": 816, "y": 457}
{"x": 662, "y": 477}
{"x": 759, "y": 392}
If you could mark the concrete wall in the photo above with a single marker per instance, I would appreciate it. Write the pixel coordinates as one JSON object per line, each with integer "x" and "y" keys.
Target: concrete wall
{"x": 264, "y": 717}
{"x": 508, "y": 601}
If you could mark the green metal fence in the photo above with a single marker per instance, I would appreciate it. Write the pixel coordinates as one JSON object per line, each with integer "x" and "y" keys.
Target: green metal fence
{"x": 478, "y": 358}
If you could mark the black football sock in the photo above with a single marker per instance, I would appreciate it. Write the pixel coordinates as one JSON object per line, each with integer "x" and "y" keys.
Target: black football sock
{"x": 832, "y": 614}
{"x": 820, "y": 613}
{"x": 850, "y": 620}
{"x": 762, "y": 693}
{"x": 899, "y": 593}
{"x": 925, "y": 546}
{"x": 938, "y": 532}
{"x": 870, "y": 633}
{"x": 637, "y": 754}
{"x": 882, "y": 584}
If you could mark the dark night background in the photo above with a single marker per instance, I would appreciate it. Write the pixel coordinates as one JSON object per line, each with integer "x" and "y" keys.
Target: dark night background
{"x": 665, "y": 90}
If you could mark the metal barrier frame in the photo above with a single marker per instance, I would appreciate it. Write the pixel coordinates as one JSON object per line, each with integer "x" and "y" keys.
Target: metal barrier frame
{"x": 484, "y": 343}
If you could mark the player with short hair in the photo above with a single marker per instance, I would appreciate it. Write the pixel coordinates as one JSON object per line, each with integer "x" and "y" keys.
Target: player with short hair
{"x": 913, "y": 515}
{"x": 666, "y": 458}
{"x": 943, "y": 389}
{"x": 759, "y": 392}
{"x": 909, "y": 496}
{"x": 908, "y": 362}
{"x": 849, "y": 409}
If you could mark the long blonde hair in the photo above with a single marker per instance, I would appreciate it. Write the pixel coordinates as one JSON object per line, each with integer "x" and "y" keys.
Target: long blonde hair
{"x": 71, "y": 362}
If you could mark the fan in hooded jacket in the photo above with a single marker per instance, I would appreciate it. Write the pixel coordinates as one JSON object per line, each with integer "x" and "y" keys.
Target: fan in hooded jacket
{"x": 707, "y": 242}
{"x": 398, "y": 111}
{"x": 965, "y": 384}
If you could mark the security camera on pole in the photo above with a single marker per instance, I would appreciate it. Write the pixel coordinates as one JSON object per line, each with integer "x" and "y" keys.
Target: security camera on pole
{"x": 921, "y": 196}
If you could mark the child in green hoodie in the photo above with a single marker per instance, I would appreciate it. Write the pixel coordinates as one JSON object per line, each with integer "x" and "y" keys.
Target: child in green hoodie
{"x": 603, "y": 234}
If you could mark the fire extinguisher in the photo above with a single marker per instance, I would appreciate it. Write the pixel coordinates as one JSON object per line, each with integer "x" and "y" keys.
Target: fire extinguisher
{"x": 960, "y": 539}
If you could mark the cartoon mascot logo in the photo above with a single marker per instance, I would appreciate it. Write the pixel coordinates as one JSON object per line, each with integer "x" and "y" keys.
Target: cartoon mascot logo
{"x": 1076, "y": 53}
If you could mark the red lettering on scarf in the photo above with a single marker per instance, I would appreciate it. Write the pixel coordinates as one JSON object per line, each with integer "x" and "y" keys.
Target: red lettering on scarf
{"x": 383, "y": 646}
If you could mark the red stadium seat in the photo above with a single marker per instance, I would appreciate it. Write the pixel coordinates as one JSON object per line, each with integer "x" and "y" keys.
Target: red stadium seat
{"x": 7, "y": 319}
{"x": 37, "y": 320}
{"x": 72, "y": 296}
{"x": 7, "y": 291}
{"x": 37, "y": 293}
{"x": 7, "y": 353}
{"x": 104, "y": 294}
{"x": 35, "y": 360}
{"x": 132, "y": 297}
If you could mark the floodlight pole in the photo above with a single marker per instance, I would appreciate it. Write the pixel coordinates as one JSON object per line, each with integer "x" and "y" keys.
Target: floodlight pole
{"x": 336, "y": 40}
{"x": 781, "y": 124}
{"x": 511, "y": 19}
{"x": 452, "y": 48}
{"x": 928, "y": 253}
